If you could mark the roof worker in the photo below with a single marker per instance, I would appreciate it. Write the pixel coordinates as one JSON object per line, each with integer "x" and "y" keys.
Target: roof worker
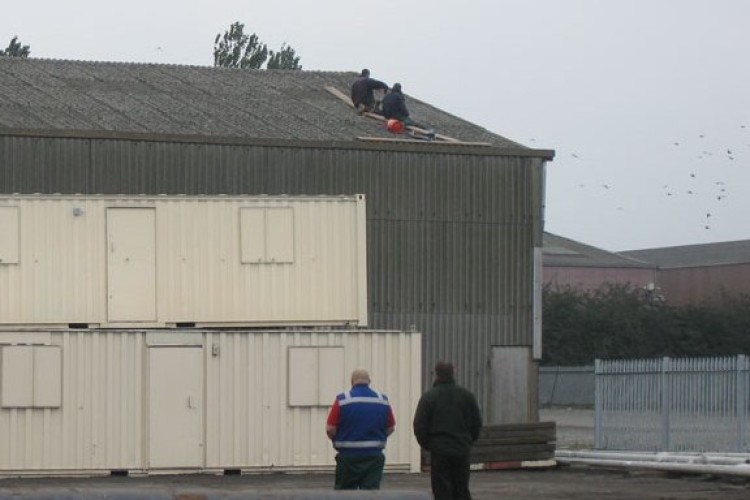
{"x": 363, "y": 96}
{"x": 359, "y": 423}
{"x": 394, "y": 106}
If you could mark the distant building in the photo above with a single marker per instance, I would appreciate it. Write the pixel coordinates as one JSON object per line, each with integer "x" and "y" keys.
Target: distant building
{"x": 696, "y": 273}
{"x": 569, "y": 263}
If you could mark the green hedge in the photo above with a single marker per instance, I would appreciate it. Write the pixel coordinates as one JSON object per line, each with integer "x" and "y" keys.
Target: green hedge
{"x": 620, "y": 321}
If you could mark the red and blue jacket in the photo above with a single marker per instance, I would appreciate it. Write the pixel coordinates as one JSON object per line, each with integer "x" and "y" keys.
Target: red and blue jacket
{"x": 361, "y": 417}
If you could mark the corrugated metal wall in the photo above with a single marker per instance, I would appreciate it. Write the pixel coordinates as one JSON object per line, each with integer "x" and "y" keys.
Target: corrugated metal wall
{"x": 102, "y": 421}
{"x": 450, "y": 236}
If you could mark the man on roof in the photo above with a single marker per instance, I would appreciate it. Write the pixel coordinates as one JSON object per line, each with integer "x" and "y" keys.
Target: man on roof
{"x": 363, "y": 96}
{"x": 394, "y": 107}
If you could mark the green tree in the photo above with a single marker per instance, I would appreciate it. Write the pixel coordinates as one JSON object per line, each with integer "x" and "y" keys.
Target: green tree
{"x": 15, "y": 49}
{"x": 236, "y": 49}
{"x": 286, "y": 58}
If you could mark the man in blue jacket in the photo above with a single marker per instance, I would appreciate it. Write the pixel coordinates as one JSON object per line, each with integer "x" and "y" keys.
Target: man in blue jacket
{"x": 447, "y": 422}
{"x": 359, "y": 423}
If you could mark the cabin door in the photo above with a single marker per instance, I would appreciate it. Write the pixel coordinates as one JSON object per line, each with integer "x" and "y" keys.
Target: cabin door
{"x": 131, "y": 265}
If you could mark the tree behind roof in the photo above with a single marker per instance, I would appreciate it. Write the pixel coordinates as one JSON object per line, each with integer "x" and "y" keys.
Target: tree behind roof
{"x": 235, "y": 49}
{"x": 15, "y": 49}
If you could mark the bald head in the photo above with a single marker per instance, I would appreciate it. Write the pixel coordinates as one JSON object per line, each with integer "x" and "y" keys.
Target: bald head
{"x": 360, "y": 376}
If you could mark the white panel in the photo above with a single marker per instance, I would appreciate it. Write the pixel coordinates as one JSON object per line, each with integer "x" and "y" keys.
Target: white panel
{"x": 99, "y": 423}
{"x": 17, "y": 387}
{"x": 303, "y": 376}
{"x": 536, "y": 334}
{"x": 175, "y": 407}
{"x": 10, "y": 235}
{"x": 47, "y": 377}
{"x": 62, "y": 275}
{"x": 131, "y": 277}
{"x": 249, "y": 424}
{"x": 280, "y": 235}
{"x": 253, "y": 235}
{"x": 331, "y": 376}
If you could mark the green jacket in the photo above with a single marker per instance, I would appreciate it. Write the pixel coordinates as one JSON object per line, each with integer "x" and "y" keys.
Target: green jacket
{"x": 447, "y": 420}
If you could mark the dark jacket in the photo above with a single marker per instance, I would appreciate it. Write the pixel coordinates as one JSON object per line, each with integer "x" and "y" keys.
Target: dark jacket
{"x": 362, "y": 90}
{"x": 447, "y": 420}
{"x": 394, "y": 106}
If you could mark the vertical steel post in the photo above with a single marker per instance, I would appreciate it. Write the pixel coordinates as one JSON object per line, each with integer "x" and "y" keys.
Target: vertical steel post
{"x": 666, "y": 402}
{"x": 741, "y": 401}
{"x": 597, "y": 405}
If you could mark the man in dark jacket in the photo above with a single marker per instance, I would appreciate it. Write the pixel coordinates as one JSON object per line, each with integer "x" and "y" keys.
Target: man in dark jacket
{"x": 447, "y": 422}
{"x": 394, "y": 106}
{"x": 363, "y": 97}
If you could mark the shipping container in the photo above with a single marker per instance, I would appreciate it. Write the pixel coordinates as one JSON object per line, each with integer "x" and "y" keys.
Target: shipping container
{"x": 152, "y": 261}
{"x": 101, "y": 400}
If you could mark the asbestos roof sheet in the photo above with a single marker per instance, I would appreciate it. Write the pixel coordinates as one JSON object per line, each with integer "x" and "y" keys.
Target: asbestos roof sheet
{"x": 708, "y": 254}
{"x": 40, "y": 94}
{"x": 564, "y": 252}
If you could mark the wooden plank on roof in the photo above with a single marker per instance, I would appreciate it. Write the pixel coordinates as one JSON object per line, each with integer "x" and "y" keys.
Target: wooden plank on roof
{"x": 375, "y": 116}
{"x": 423, "y": 141}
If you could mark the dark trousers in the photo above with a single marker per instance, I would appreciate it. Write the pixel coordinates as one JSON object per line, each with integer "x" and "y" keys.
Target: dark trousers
{"x": 359, "y": 472}
{"x": 449, "y": 475}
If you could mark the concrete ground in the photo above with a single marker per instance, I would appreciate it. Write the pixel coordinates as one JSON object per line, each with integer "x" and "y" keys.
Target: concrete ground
{"x": 575, "y": 426}
{"x": 575, "y": 431}
{"x": 563, "y": 483}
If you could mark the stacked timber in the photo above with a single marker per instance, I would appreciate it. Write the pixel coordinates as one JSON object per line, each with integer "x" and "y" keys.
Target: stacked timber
{"x": 515, "y": 443}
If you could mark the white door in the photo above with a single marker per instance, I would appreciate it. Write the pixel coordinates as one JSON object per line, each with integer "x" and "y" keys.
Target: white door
{"x": 131, "y": 265}
{"x": 176, "y": 407}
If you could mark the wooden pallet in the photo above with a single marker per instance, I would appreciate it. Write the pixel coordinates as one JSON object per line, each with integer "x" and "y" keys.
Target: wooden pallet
{"x": 511, "y": 446}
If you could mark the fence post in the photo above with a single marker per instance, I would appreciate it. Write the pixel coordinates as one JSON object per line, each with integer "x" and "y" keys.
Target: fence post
{"x": 597, "y": 405}
{"x": 741, "y": 372}
{"x": 666, "y": 403}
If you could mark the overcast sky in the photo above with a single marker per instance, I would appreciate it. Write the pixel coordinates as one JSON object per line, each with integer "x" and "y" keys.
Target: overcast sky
{"x": 646, "y": 102}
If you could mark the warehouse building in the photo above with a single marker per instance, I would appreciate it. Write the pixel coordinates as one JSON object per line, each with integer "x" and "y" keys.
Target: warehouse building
{"x": 453, "y": 226}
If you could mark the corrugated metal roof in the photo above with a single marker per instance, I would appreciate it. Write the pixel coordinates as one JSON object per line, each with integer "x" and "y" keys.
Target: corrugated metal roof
{"x": 708, "y": 254}
{"x": 40, "y": 94}
{"x": 564, "y": 252}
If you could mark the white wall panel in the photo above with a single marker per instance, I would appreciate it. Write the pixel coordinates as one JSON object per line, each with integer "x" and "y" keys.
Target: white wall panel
{"x": 103, "y": 419}
{"x": 313, "y": 270}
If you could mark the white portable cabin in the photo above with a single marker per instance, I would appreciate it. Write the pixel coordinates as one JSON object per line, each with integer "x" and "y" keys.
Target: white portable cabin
{"x": 145, "y": 261}
{"x": 172, "y": 333}
{"x": 94, "y": 401}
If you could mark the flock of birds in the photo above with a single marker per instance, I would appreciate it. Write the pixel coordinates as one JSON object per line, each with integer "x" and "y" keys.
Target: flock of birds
{"x": 718, "y": 188}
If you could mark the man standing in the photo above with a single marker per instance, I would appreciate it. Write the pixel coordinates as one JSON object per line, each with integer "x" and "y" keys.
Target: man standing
{"x": 447, "y": 422}
{"x": 363, "y": 97}
{"x": 359, "y": 424}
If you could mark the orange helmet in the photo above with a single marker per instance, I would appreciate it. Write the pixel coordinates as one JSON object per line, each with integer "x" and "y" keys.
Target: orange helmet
{"x": 395, "y": 126}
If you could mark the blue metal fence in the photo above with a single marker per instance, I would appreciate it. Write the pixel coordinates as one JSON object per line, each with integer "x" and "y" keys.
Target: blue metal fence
{"x": 685, "y": 404}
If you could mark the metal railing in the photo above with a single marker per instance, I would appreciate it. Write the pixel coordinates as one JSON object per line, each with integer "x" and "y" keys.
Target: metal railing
{"x": 666, "y": 404}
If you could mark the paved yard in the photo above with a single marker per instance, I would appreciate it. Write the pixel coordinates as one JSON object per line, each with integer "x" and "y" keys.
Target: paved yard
{"x": 563, "y": 483}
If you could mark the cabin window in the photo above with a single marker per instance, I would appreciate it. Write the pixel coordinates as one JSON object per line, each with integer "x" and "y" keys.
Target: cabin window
{"x": 9, "y": 230}
{"x": 316, "y": 375}
{"x": 267, "y": 235}
{"x": 31, "y": 376}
